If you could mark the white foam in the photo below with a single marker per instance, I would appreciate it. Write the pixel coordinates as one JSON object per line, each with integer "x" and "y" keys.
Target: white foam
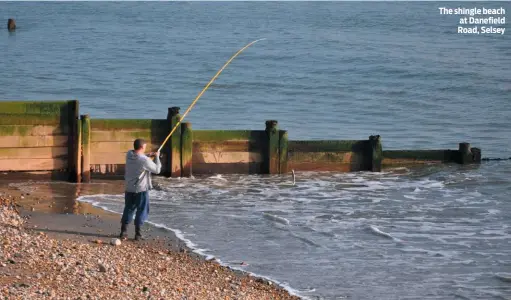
{"x": 179, "y": 234}
{"x": 384, "y": 234}
{"x": 275, "y": 218}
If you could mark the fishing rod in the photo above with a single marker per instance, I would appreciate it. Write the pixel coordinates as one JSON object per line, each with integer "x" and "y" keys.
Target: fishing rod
{"x": 200, "y": 94}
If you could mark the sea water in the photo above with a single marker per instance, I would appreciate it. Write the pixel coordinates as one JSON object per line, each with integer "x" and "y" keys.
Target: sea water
{"x": 326, "y": 70}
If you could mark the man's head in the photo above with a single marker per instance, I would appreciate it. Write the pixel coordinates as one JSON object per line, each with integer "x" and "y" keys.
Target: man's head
{"x": 139, "y": 145}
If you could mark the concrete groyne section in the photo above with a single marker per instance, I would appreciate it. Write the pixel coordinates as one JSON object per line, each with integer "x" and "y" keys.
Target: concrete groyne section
{"x": 52, "y": 136}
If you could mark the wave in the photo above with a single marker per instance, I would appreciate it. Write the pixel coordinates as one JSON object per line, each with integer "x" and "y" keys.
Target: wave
{"x": 503, "y": 277}
{"x": 275, "y": 218}
{"x": 192, "y": 246}
{"x": 377, "y": 231}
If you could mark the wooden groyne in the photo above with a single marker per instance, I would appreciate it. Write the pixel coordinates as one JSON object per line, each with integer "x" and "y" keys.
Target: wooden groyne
{"x": 52, "y": 136}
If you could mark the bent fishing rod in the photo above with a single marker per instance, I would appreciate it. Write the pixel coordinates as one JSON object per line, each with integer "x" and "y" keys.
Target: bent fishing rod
{"x": 200, "y": 94}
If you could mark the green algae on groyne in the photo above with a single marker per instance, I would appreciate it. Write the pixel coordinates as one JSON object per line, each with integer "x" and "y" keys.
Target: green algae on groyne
{"x": 52, "y": 136}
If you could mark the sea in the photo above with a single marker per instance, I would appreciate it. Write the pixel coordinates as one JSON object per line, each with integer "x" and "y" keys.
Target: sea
{"x": 324, "y": 70}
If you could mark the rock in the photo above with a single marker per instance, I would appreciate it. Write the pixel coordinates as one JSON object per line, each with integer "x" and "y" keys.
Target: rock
{"x": 145, "y": 289}
{"x": 115, "y": 242}
{"x": 102, "y": 268}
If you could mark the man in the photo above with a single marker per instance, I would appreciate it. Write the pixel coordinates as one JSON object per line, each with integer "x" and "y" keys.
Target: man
{"x": 138, "y": 183}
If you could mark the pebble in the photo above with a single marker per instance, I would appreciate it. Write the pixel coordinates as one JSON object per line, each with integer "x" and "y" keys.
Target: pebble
{"x": 102, "y": 268}
{"x": 65, "y": 269}
{"x": 115, "y": 242}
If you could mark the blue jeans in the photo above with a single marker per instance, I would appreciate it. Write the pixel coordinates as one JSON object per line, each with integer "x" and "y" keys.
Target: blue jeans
{"x": 138, "y": 202}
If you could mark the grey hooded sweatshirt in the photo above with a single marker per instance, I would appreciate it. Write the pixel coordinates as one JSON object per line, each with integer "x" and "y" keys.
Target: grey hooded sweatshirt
{"x": 137, "y": 165}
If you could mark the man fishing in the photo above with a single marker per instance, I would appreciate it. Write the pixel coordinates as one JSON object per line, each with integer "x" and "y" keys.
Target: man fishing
{"x": 137, "y": 185}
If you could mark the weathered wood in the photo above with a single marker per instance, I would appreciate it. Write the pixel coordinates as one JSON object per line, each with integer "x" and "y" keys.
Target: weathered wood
{"x": 72, "y": 144}
{"x": 174, "y": 143}
{"x": 227, "y": 146}
{"x": 124, "y": 135}
{"x": 35, "y": 164}
{"x": 465, "y": 154}
{"x": 78, "y": 156}
{"x": 36, "y": 107}
{"x": 321, "y": 157}
{"x": 33, "y": 130}
{"x": 476, "y": 155}
{"x": 283, "y": 151}
{"x": 102, "y": 158}
{"x": 37, "y": 152}
{"x": 426, "y": 155}
{"x": 319, "y": 166}
{"x": 375, "y": 153}
{"x": 86, "y": 148}
{"x": 29, "y": 119}
{"x": 228, "y": 135}
{"x": 327, "y": 146}
{"x": 186, "y": 149}
{"x": 228, "y": 168}
{"x": 404, "y": 162}
{"x": 226, "y": 157}
{"x": 127, "y": 124}
{"x": 33, "y": 141}
{"x": 118, "y": 147}
{"x": 271, "y": 158}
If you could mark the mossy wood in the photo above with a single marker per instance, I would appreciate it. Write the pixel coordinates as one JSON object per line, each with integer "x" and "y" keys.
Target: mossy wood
{"x": 186, "y": 149}
{"x": 48, "y": 136}
{"x": 39, "y": 136}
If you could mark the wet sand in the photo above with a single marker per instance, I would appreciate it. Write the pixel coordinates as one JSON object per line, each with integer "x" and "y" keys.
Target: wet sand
{"x": 63, "y": 242}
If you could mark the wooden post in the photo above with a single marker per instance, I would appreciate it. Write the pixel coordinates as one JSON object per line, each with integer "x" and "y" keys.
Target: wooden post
{"x": 186, "y": 149}
{"x": 376, "y": 153}
{"x": 86, "y": 148}
{"x": 272, "y": 152}
{"x": 174, "y": 144}
{"x": 465, "y": 155}
{"x": 78, "y": 157}
{"x": 283, "y": 141}
{"x": 476, "y": 155}
{"x": 72, "y": 144}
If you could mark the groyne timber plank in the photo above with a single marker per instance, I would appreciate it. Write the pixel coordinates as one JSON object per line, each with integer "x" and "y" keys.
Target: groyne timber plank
{"x": 326, "y": 146}
{"x": 335, "y": 157}
{"x": 32, "y": 130}
{"x": 30, "y": 119}
{"x": 315, "y": 166}
{"x": 227, "y": 146}
{"x": 38, "y": 152}
{"x": 103, "y": 158}
{"x": 35, "y": 107}
{"x": 126, "y": 124}
{"x": 124, "y": 135}
{"x": 429, "y": 155}
{"x": 227, "y": 168}
{"x": 33, "y": 141}
{"x": 118, "y": 147}
{"x": 36, "y": 164}
{"x": 226, "y": 157}
{"x": 228, "y": 135}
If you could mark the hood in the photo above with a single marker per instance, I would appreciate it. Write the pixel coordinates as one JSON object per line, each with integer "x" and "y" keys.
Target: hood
{"x": 132, "y": 155}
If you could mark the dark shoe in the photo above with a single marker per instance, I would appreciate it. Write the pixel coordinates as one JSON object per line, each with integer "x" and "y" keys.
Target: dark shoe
{"x": 124, "y": 234}
{"x": 138, "y": 234}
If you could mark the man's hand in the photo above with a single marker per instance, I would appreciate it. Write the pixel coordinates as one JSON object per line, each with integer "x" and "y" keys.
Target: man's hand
{"x": 154, "y": 154}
